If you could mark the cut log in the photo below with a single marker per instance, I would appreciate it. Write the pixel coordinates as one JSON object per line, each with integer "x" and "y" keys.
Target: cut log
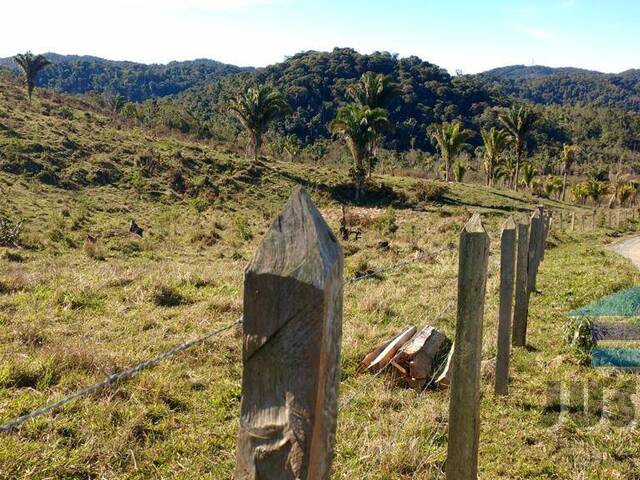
{"x": 444, "y": 379}
{"x": 416, "y": 356}
{"x": 389, "y": 352}
{"x": 371, "y": 356}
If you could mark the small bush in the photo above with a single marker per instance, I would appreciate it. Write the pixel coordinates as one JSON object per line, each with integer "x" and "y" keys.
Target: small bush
{"x": 578, "y": 333}
{"x": 386, "y": 224}
{"x": 430, "y": 191}
{"x": 241, "y": 225}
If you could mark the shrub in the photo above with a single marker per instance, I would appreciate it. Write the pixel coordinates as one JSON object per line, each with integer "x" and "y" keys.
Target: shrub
{"x": 386, "y": 224}
{"x": 242, "y": 228}
{"x": 430, "y": 191}
{"x": 578, "y": 334}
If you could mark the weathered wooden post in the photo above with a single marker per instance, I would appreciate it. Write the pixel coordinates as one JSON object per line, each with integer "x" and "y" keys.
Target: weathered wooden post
{"x": 593, "y": 221}
{"x": 507, "y": 268}
{"x": 543, "y": 234}
{"x": 535, "y": 239}
{"x": 573, "y": 221}
{"x": 464, "y": 401}
{"x": 521, "y": 295}
{"x": 291, "y": 349}
{"x": 561, "y": 221}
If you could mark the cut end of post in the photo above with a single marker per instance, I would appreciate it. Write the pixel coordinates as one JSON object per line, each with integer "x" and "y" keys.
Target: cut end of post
{"x": 509, "y": 224}
{"x": 298, "y": 244}
{"x": 474, "y": 225}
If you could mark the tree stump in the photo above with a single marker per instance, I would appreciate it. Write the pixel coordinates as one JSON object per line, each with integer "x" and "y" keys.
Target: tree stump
{"x": 291, "y": 349}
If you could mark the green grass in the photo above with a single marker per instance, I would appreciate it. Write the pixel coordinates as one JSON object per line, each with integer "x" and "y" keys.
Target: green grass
{"x": 69, "y": 317}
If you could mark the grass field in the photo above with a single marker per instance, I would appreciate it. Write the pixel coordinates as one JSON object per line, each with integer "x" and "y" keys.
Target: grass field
{"x": 70, "y": 315}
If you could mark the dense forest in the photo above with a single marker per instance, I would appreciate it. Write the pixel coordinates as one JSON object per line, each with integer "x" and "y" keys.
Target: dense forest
{"x": 567, "y": 86}
{"x": 134, "y": 81}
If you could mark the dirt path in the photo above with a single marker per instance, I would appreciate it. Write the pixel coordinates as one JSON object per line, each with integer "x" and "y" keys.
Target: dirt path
{"x": 630, "y": 249}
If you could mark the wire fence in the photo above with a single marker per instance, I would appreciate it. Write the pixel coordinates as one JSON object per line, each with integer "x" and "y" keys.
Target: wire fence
{"x": 152, "y": 362}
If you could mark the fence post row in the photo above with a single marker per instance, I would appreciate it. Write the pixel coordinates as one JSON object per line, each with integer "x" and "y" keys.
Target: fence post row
{"x": 291, "y": 348}
{"x": 464, "y": 401}
{"x": 507, "y": 267}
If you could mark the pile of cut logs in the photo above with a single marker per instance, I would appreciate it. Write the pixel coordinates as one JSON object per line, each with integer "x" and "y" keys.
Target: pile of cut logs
{"x": 412, "y": 355}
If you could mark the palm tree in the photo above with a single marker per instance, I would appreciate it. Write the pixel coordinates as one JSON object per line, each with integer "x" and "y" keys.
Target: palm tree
{"x": 553, "y": 185}
{"x": 451, "y": 138}
{"x": 527, "y": 176}
{"x": 256, "y": 108}
{"x": 374, "y": 90}
{"x": 616, "y": 181}
{"x": 595, "y": 190}
{"x": 518, "y": 121}
{"x": 495, "y": 143}
{"x": 569, "y": 153}
{"x": 358, "y": 125}
{"x": 30, "y": 65}
{"x": 580, "y": 192}
{"x": 459, "y": 168}
{"x": 626, "y": 192}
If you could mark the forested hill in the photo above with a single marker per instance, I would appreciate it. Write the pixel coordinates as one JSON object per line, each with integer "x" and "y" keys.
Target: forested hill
{"x": 135, "y": 81}
{"x": 567, "y": 86}
{"x": 315, "y": 84}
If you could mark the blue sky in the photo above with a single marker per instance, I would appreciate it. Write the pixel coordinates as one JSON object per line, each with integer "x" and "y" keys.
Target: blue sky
{"x": 462, "y": 35}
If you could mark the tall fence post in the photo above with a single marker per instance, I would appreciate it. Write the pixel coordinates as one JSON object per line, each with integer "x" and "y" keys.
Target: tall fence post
{"x": 291, "y": 348}
{"x": 521, "y": 295}
{"x": 536, "y": 247}
{"x": 507, "y": 268}
{"x": 464, "y": 402}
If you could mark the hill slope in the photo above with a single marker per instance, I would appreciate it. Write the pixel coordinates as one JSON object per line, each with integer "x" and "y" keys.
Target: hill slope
{"x": 135, "y": 81}
{"x": 568, "y": 86}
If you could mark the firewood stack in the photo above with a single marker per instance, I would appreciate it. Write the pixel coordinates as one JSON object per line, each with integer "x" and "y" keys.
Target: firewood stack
{"x": 411, "y": 355}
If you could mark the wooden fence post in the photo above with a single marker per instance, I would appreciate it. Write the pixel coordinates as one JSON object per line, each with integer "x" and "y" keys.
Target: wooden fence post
{"x": 561, "y": 221}
{"x": 507, "y": 267}
{"x": 291, "y": 348}
{"x": 535, "y": 239}
{"x": 543, "y": 236}
{"x": 464, "y": 401}
{"x": 521, "y": 295}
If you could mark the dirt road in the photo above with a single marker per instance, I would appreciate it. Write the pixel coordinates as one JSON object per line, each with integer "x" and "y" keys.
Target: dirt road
{"x": 629, "y": 248}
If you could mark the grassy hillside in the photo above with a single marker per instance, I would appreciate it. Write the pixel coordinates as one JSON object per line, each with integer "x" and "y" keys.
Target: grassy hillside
{"x": 70, "y": 315}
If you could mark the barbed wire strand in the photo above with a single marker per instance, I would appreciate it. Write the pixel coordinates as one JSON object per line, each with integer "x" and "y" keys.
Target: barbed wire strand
{"x": 116, "y": 377}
